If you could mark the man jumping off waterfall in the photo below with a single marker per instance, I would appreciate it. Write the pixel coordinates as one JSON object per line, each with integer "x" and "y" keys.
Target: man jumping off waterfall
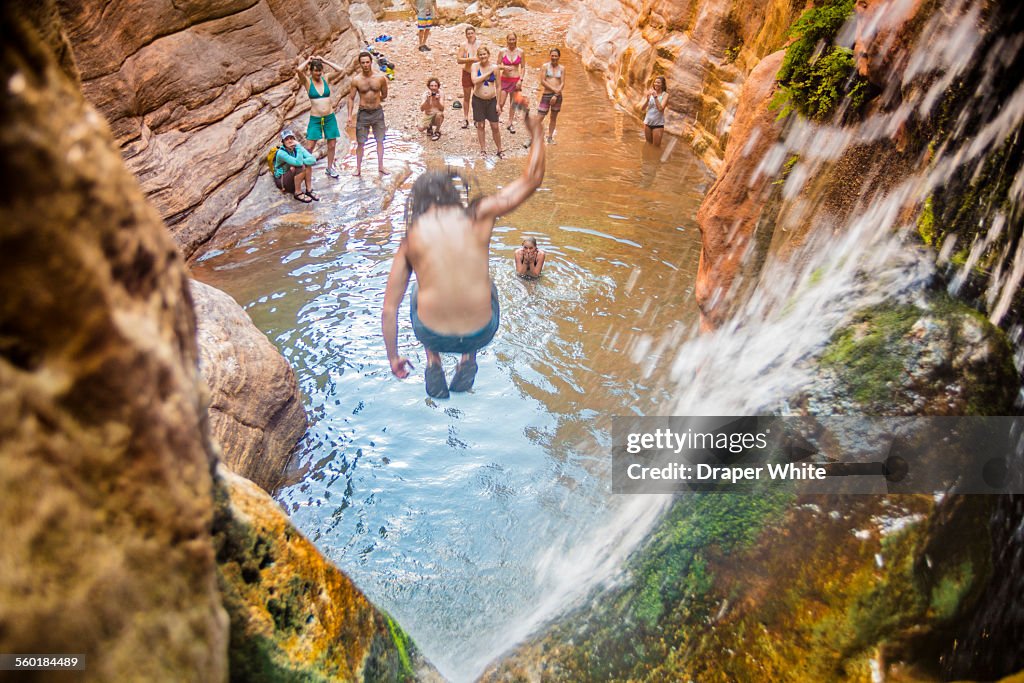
{"x": 454, "y": 305}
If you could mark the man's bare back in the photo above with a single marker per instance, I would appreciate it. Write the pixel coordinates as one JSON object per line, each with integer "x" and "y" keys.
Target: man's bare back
{"x": 448, "y": 250}
{"x": 455, "y": 308}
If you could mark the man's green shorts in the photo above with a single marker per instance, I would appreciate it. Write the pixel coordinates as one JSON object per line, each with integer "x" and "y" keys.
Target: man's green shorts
{"x": 323, "y": 127}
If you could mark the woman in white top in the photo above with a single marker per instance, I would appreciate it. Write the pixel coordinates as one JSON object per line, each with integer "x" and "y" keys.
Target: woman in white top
{"x": 654, "y": 121}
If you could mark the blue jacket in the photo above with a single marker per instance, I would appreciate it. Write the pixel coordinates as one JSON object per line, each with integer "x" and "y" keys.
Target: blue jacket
{"x": 283, "y": 160}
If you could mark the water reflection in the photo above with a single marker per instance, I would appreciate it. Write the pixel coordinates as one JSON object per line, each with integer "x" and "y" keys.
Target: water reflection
{"x": 470, "y": 519}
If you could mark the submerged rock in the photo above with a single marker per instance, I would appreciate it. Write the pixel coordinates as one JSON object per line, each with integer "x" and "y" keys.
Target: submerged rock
{"x": 256, "y": 412}
{"x": 294, "y": 615}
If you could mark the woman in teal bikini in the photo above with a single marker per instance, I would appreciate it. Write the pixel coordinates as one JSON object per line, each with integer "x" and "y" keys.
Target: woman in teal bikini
{"x": 323, "y": 124}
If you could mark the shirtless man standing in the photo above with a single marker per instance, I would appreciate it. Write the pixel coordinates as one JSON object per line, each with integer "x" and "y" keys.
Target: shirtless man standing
{"x": 372, "y": 90}
{"x": 455, "y": 308}
{"x": 467, "y": 56}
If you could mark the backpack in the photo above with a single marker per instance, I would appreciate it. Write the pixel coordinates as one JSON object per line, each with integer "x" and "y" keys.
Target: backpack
{"x": 272, "y": 159}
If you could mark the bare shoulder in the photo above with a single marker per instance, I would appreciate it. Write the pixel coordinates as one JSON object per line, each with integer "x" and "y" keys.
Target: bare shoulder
{"x": 483, "y": 226}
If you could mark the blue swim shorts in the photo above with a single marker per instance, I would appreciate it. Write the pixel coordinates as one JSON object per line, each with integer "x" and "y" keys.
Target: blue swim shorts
{"x": 446, "y": 343}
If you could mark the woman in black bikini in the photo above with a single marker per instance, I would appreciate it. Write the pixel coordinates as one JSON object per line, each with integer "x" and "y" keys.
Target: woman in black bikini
{"x": 485, "y": 100}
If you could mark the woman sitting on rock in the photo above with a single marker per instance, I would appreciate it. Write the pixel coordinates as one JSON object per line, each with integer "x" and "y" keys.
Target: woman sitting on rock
{"x": 293, "y": 165}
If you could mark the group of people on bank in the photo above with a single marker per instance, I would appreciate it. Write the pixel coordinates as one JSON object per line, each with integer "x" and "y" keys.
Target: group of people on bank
{"x": 454, "y": 304}
{"x": 490, "y": 88}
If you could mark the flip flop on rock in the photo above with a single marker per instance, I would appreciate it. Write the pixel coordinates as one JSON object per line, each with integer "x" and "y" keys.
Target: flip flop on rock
{"x": 437, "y": 387}
{"x": 465, "y": 375}
{"x": 303, "y": 197}
{"x": 313, "y": 195}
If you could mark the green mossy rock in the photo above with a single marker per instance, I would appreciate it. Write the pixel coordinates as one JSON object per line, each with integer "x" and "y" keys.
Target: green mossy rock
{"x": 773, "y": 587}
{"x": 941, "y": 358}
{"x": 294, "y": 616}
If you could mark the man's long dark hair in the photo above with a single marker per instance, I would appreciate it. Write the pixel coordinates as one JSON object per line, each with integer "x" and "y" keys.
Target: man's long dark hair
{"x": 449, "y": 187}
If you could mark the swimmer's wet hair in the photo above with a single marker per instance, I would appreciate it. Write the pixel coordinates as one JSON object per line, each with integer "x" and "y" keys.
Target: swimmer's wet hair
{"x": 316, "y": 64}
{"x": 449, "y": 187}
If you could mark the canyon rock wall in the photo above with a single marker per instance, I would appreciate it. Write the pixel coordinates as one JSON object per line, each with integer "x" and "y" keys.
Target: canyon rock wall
{"x": 104, "y": 463}
{"x": 927, "y": 152}
{"x": 119, "y": 542}
{"x": 197, "y": 93}
{"x": 256, "y": 413}
{"x": 704, "y": 48}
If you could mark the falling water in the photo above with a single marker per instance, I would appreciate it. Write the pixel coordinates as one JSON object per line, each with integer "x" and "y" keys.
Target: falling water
{"x": 764, "y": 354}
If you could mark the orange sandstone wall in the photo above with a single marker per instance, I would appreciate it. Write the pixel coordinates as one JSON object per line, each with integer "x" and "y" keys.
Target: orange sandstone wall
{"x": 704, "y": 48}
{"x": 196, "y": 92}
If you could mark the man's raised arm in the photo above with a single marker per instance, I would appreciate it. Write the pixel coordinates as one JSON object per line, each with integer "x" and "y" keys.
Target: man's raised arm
{"x": 519, "y": 190}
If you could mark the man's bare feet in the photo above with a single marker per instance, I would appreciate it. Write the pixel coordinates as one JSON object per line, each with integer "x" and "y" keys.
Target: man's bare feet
{"x": 357, "y": 173}
{"x": 383, "y": 172}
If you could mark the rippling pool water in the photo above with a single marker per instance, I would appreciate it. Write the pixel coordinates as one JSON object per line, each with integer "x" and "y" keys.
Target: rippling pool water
{"x": 472, "y": 518}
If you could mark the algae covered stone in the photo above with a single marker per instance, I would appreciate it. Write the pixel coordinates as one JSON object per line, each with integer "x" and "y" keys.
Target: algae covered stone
{"x": 294, "y": 615}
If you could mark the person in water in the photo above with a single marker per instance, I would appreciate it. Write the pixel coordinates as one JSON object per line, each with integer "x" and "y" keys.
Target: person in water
{"x": 551, "y": 99}
{"x": 485, "y": 100}
{"x": 433, "y": 110}
{"x": 529, "y": 259}
{"x": 293, "y": 165}
{"x": 372, "y": 90}
{"x": 513, "y": 65}
{"x": 654, "y": 121}
{"x": 466, "y": 58}
{"x": 323, "y": 123}
{"x": 454, "y": 306}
